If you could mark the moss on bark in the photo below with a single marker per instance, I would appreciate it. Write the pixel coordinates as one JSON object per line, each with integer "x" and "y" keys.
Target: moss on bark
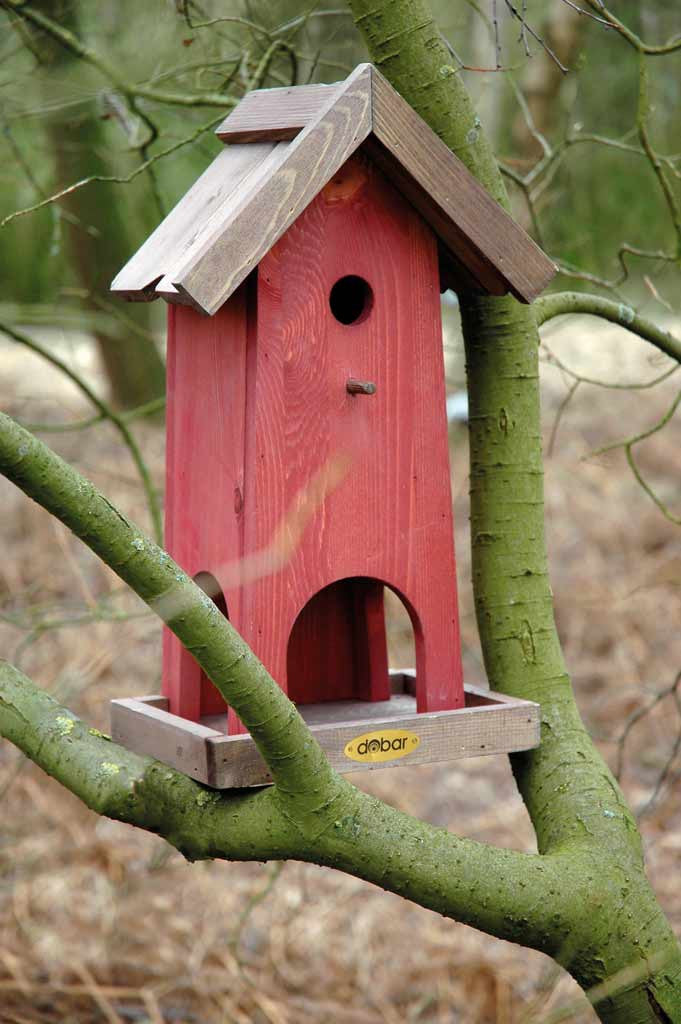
{"x": 576, "y": 807}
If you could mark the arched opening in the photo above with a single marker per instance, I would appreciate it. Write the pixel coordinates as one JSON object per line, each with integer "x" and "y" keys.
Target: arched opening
{"x": 344, "y": 640}
{"x": 211, "y": 701}
{"x": 399, "y": 632}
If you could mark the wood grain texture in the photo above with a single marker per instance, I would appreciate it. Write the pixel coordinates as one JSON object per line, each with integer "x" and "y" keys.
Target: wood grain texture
{"x": 470, "y": 223}
{"x": 489, "y": 724}
{"x": 205, "y": 417}
{"x": 241, "y": 238}
{"x": 281, "y": 484}
{"x": 346, "y": 487}
{"x": 338, "y": 648}
{"x": 209, "y": 230}
{"x": 254, "y": 191}
{"x": 155, "y": 732}
{"x": 275, "y": 114}
{"x": 177, "y": 233}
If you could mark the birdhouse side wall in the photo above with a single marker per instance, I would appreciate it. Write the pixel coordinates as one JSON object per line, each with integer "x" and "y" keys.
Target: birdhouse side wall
{"x": 205, "y": 427}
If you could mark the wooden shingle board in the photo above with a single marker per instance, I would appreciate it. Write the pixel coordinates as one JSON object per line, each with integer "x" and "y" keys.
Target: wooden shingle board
{"x": 276, "y": 114}
{"x": 169, "y": 292}
{"x": 207, "y": 229}
{"x": 489, "y": 724}
{"x": 175, "y": 235}
{"x": 246, "y": 233}
{"x": 147, "y": 728}
{"x": 253, "y": 192}
{"x": 469, "y": 222}
{"x": 492, "y": 249}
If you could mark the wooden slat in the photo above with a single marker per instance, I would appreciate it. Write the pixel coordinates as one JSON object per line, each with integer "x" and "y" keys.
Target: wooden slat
{"x": 275, "y": 114}
{"x": 147, "y": 728}
{"x": 403, "y": 680}
{"x": 242, "y": 236}
{"x": 204, "y": 470}
{"x": 175, "y": 235}
{"x": 209, "y": 229}
{"x": 253, "y": 192}
{"x": 471, "y": 224}
{"x": 155, "y": 700}
{"x": 489, "y": 724}
{"x": 166, "y": 290}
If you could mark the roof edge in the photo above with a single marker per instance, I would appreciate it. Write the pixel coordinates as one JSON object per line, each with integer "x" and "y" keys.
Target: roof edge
{"x": 276, "y": 114}
{"x": 470, "y": 223}
{"x": 298, "y": 138}
{"x": 306, "y": 164}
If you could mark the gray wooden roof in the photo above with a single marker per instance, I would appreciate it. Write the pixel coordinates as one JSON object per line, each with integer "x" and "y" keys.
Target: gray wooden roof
{"x": 284, "y": 145}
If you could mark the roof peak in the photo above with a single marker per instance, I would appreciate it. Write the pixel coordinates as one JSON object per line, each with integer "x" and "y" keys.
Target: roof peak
{"x": 283, "y": 146}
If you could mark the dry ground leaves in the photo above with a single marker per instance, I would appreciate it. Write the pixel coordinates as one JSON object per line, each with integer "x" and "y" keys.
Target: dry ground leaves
{"x": 103, "y": 923}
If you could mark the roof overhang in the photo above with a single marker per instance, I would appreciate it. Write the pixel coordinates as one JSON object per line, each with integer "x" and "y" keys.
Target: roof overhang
{"x": 284, "y": 145}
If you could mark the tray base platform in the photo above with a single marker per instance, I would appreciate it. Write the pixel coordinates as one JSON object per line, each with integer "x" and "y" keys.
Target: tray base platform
{"x": 490, "y": 723}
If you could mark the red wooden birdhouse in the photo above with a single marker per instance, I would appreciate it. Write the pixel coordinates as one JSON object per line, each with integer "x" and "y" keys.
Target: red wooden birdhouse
{"x": 307, "y": 443}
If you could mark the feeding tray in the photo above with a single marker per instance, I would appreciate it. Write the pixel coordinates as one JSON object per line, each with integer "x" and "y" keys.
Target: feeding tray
{"x": 353, "y": 734}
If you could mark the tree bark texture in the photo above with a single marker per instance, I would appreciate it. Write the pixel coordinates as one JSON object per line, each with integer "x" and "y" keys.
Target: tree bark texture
{"x": 583, "y": 898}
{"x": 571, "y": 796}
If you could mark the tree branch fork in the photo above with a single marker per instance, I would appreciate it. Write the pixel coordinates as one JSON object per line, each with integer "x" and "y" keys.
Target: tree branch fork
{"x": 509, "y": 894}
{"x": 584, "y": 898}
{"x": 310, "y": 813}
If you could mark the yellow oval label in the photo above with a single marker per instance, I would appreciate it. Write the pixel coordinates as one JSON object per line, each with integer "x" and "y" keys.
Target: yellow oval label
{"x": 384, "y": 745}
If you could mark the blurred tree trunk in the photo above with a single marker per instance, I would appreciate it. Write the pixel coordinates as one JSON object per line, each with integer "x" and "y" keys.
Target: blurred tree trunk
{"x": 563, "y": 30}
{"x": 80, "y": 142}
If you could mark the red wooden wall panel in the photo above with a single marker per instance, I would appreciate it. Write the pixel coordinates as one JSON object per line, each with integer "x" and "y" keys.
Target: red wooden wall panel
{"x": 332, "y": 486}
{"x": 206, "y": 401}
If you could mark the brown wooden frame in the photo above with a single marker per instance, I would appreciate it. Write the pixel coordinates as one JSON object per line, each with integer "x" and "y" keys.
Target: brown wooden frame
{"x": 490, "y": 723}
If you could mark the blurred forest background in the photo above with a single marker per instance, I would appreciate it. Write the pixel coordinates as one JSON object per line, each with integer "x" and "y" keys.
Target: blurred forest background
{"x": 101, "y": 923}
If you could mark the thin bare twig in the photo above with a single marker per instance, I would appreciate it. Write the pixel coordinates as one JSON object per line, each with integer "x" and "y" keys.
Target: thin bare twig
{"x": 672, "y": 44}
{"x": 87, "y": 53}
{"x": 588, "y": 14}
{"x": 106, "y": 412}
{"x": 497, "y": 42}
{"x": 123, "y": 179}
{"x": 628, "y": 446}
{"x": 535, "y": 35}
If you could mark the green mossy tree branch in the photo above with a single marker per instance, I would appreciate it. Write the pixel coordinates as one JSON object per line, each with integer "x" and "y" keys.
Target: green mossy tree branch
{"x": 569, "y": 792}
{"x": 137, "y": 790}
{"x": 514, "y": 896}
{"x": 562, "y": 303}
{"x": 295, "y": 759}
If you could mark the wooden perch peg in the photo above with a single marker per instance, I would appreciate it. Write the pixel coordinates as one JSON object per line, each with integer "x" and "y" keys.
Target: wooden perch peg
{"x": 360, "y": 387}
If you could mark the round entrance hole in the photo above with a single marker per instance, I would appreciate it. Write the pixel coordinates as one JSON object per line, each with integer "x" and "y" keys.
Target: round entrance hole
{"x": 351, "y": 299}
